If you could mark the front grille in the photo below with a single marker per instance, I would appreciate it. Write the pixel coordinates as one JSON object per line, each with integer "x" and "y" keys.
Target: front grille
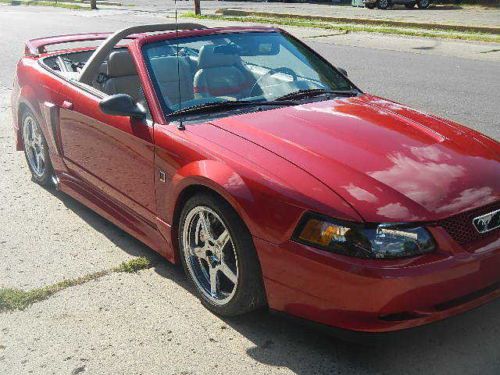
{"x": 460, "y": 226}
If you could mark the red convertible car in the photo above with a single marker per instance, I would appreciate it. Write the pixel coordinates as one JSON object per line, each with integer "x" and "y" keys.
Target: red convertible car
{"x": 247, "y": 157}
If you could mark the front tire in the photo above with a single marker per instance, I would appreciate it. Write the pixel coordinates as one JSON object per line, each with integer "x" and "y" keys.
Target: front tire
{"x": 410, "y": 5}
{"x": 218, "y": 256}
{"x": 370, "y": 6}
{"x": 383, "y": 4}
{"x": 36, "y": 150}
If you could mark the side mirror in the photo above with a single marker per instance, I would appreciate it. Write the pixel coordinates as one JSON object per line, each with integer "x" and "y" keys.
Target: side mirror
{"x": 343, "y": 71}
{"x": 122, "y": 105}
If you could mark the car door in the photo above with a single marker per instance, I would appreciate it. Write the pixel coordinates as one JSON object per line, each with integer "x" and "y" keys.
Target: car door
{"x": 113, "y": 153}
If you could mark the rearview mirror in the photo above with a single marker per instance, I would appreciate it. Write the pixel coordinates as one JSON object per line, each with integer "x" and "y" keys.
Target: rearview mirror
{"x": 122, "y": 105}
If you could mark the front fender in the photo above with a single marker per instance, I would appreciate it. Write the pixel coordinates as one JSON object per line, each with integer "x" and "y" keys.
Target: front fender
{"x": 209, "y": 174}
{"x": 265, "y": 213}
{"x": 214, "y": 175}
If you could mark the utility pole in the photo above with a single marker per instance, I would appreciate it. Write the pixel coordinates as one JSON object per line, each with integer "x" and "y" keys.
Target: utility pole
{"x": 197, "y": 8}
{"x": 93, "y": 4}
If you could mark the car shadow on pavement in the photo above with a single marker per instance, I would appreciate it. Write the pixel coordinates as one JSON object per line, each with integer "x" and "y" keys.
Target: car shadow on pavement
{"x": 467, "y": 343}
{"x": 116, "y": 235}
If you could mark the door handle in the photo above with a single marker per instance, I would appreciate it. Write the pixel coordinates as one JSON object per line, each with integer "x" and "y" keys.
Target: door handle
{"x": 67, "y": 105}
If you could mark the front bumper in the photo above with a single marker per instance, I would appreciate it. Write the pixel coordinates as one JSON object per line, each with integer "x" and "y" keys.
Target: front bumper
{"x": 380, "y": 295}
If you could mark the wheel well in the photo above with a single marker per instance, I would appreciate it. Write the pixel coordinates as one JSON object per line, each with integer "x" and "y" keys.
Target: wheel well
{"x": 183, "y": 197}
{"x": 22, "y": 108}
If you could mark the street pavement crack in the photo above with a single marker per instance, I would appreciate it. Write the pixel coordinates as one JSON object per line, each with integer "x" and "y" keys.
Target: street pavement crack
{"x": 18, "y": 299}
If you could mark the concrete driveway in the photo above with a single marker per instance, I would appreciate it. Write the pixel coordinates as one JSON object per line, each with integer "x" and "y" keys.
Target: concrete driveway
{"x": 150, "y": 322}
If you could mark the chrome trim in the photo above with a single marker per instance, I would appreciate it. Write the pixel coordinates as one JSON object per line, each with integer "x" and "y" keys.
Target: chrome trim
{"x": 34, "y": 146}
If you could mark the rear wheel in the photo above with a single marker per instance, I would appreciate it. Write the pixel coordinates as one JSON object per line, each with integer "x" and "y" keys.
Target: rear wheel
{"x": 218, "y": 256}
{"x": 370, "y": 6}
{"x": 383, "y": 4}
{"x": 35, "y": 149}
{"x": 423, "y": 4}
{"x": 410, "y": 5}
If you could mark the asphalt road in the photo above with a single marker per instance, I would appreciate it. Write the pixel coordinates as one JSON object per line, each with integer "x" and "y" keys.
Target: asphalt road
{"x": 150, "y": 322}
{"x": 435, "y": 14}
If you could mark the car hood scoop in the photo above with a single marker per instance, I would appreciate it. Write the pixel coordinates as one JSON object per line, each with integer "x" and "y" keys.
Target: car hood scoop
{"x": 390, "y": 162}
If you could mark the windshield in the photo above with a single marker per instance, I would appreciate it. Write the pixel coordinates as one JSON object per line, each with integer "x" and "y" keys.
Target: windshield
{"x": 250, "y": 66}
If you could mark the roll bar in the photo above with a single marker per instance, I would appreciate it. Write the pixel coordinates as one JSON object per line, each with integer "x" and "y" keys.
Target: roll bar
{"x": 100, "y": 54}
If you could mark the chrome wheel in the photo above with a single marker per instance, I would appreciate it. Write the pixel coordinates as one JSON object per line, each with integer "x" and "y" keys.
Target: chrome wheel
{"x": 383, "y": 4}
{"x": 210, "y": 255}
{"x": 34, "y": 146}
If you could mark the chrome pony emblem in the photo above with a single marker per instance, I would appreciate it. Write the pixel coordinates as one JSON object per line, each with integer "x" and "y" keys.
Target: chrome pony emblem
{"x": 487, "y": 222}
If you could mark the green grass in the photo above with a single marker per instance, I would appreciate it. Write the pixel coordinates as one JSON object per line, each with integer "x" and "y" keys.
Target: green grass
{"x": 133, "y": 265}
{"x": 17, "y": 299}
{"x": 47, "y": 4}
{"x": 347, "y": 27}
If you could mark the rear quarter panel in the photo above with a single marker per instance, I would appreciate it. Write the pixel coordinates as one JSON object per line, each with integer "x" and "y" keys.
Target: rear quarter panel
{"x": 38, "y": 90}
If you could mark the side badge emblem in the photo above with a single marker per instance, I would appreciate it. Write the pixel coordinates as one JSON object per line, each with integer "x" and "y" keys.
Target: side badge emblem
{"x": 163, "y": 176}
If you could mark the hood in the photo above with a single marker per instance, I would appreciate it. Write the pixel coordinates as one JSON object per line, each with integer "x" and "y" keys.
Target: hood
{"x": 389, "y": 162}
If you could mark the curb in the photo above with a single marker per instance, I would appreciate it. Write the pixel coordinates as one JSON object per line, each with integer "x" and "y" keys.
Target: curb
{"x": 418, "y": 25}
{"x": 84, "y": 4}
{"x": 105, "y": 2}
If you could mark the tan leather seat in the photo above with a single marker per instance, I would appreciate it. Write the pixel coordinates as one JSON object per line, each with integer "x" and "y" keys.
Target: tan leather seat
{"x": 221, "y": 74}
{"x": 166, "y": 72}
{"x": 122, "y": 76}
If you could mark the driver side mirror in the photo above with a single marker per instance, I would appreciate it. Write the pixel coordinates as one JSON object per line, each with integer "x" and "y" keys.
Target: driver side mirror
{"x": 122, "y": 105}
{"x": 343, "y": 71}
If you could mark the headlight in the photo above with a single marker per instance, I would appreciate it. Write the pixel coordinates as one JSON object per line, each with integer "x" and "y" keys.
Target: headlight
{"x": 381, "y": 241}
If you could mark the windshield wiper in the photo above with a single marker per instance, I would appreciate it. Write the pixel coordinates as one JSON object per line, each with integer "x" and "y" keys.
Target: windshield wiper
{"x": 229, "y": 104}
{"x": 316, "y": 92}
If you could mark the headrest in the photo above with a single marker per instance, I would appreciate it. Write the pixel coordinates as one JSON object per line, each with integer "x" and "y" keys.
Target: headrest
{"x": 165, "y": 68}
{"x": 120, "y": 64}
{"x": 216, "y": 56}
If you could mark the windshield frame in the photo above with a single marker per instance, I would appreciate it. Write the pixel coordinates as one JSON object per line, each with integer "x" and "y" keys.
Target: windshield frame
{"x": 169, "y": 114}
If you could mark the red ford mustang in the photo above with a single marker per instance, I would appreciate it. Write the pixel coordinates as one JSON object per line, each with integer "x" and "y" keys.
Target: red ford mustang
{"x": 273, "y": 179}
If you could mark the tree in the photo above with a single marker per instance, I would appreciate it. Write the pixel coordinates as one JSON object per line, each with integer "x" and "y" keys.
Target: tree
{"x": 93, "y": 4}
{"x": 197, "y": 8}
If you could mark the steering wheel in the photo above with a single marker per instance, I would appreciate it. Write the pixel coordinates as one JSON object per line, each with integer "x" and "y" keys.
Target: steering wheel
{"x": 271, "y": 72}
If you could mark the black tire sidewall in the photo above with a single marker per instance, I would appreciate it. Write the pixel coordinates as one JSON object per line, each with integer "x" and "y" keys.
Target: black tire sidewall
{"x": 423, "y": 7}
{"x": 249, "y": 294}
{"x": 44, "y": 179}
